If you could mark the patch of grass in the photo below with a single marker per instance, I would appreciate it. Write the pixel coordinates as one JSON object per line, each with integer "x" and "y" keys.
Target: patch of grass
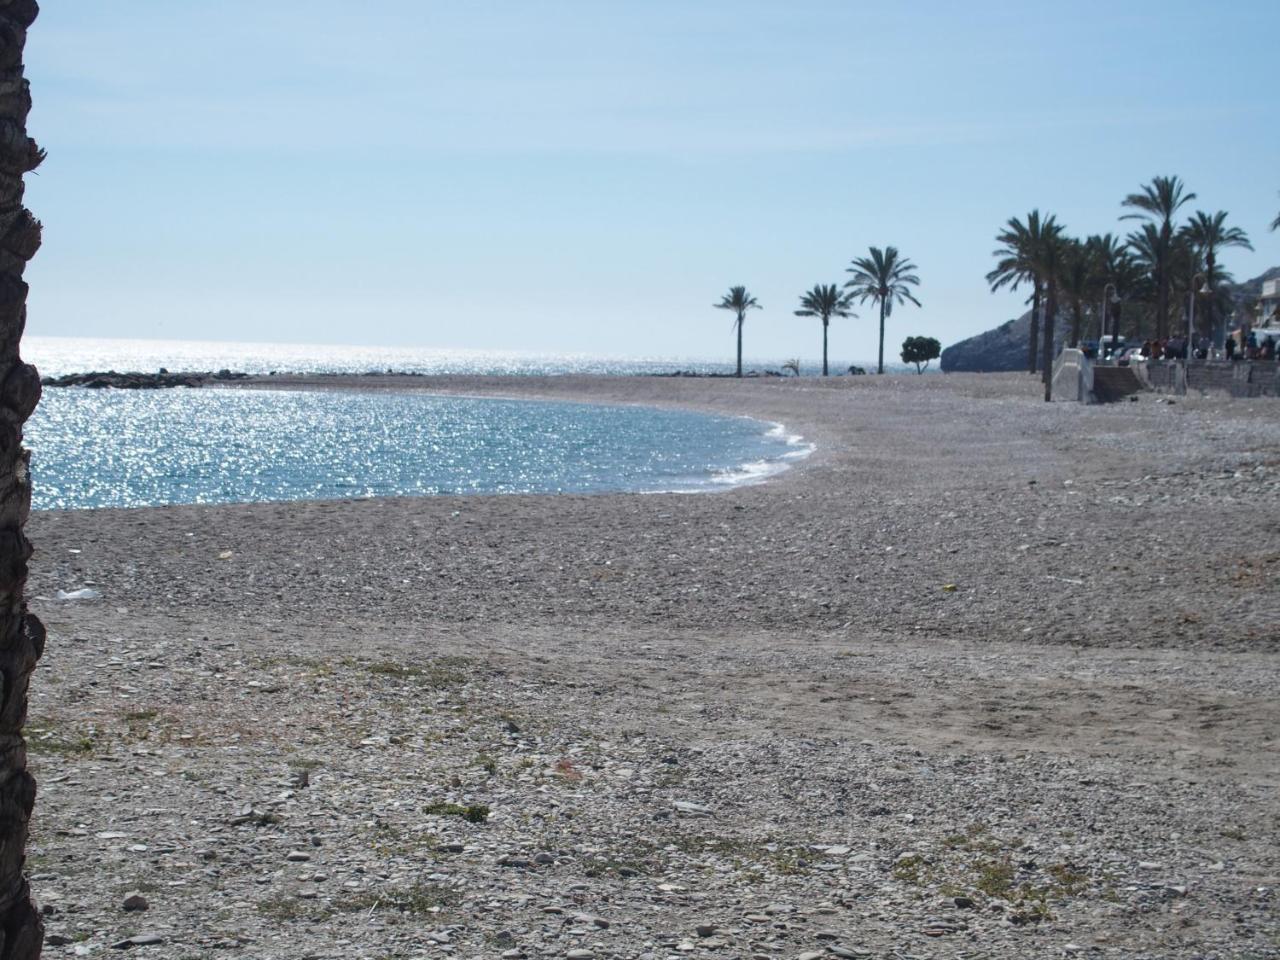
{"x": 911, "y": 869}
{"x": 1233, "y": 833}
{"x": 445, "y": 672}
{"x": 283, "y": 908}
{"x": 994, "y": 877}
{"x": 486, "y": 763}
{"x": 784, "y": 859}
{"x": 421, "y": 899}
{"x": 140, "y": 716}
{"x": 44, "y": 737}
{"x": 476, "y": 813}
{"x": 1067, "y": 880}
{"x": 975, "y": 839}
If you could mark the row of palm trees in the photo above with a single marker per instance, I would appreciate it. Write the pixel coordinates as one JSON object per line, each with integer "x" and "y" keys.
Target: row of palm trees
{"x": 884, "y": 277}
{"x": 1152, "y": 268}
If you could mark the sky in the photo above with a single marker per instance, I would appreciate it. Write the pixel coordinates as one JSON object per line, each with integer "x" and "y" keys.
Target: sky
{"x": 590, "y": 176}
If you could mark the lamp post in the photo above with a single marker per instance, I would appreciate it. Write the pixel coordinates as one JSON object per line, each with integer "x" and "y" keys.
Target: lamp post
{"x": 1191, "y": 324}
{"x": 1102, "y": 319}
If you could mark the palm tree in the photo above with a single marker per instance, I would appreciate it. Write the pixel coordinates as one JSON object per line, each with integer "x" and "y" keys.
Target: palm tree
{"x": 739, "y": 301}
{"x": 825, "y": 302}
{"x": 1113, "y": 264}
{"x": 1051, "y": 259}
{"x": 21, "y": 634}
{"x": 1159, "y": 202}
{"x": 1077, "y": 281}
{"x": 1017, "y": 264}
{"x": 1207, "y": 234}
{"x": 885, "y": 279}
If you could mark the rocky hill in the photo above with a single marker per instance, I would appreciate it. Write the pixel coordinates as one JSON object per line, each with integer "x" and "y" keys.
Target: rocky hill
{"x": 1001, "y": 349}
{"x": 1005, "y": 347}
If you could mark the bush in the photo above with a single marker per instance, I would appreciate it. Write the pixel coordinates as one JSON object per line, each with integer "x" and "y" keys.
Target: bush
{"x": 920, "y": 350}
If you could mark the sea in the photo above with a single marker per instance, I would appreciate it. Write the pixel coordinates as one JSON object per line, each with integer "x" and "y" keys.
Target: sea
{"x": 125, "y": 448}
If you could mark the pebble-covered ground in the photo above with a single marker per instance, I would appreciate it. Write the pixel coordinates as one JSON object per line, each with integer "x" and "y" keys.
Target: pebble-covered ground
{"x": 985, "y": 677}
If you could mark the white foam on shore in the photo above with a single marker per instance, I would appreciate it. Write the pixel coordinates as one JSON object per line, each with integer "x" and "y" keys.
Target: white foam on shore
{"x": 755, "y": 471}
{"x": 758, "y": 471}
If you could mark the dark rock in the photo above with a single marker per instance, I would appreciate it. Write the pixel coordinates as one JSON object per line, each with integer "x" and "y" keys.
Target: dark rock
{"x": 129, "y": 381}
{"x": 141, "y": 940}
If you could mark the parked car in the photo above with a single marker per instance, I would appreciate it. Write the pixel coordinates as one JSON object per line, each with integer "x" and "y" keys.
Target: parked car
{"x": 1128, "y": 355}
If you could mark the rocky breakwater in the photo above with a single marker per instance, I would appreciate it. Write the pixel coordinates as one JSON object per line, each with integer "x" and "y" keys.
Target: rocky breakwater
{"x": 139, "y": 381}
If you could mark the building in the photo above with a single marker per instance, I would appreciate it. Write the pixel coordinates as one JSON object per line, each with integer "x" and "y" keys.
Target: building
{"x": 1269, "y": 305}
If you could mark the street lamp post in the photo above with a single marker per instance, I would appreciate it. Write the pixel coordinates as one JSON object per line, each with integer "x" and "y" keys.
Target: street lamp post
{"x": 1191, "y": 324}
{"x": 1102, "y": 319}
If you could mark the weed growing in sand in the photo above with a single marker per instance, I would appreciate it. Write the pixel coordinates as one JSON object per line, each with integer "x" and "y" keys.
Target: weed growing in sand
{"x": 994, "y": 877}
{"x": 476, "y": 813}
{"x": 284, "y": 908}
{"x": 445, "y": 672}
{"x": 421, "y": 899}
{"x": 44, "y": 737}
{"x": 912, "y": 869}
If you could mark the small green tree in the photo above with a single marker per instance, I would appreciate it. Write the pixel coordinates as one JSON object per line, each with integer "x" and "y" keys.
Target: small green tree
{"x": 920, "y": 350}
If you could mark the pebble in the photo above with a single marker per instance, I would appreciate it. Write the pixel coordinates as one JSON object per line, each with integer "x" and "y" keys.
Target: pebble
{"x": 141, "y": 940}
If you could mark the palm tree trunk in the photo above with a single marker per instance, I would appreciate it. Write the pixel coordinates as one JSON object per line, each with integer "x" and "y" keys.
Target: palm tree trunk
{"x": 824, "y": 346}
{"x": 880, "y": 361}
{"x": 1035, "y": 328}
{"x": 740, "y": 319}
{"x": 1050, "y": 315}
{"x": 1212, "y": 306}
{"x": 1077, "y": 322}
{"x": 1162, "y": 303}
{"x": 21, "y": 634}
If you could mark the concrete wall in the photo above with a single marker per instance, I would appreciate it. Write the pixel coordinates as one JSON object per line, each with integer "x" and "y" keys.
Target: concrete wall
{"x": 1243, "y": 378}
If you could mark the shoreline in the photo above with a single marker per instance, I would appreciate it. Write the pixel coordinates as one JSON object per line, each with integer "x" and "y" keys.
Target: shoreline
{"x": 973, "y": 629}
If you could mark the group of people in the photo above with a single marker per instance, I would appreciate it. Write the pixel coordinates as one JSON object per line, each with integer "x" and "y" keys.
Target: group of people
{"x": 1251, "y": 348}
{"x": 1174, "y": 348}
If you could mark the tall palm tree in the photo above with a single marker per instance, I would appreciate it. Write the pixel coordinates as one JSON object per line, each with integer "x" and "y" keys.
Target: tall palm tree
{"x": 739, "y": 301}
{"x": 885, "y": 279}
{"x": 1207, "y": 234}
{"x": 825, "y": 302}
{"x": 1077, "y": 282}
{"x": 1159, "y": 202}
{"x": 1051, "y": 260}
{"x": 1017, "y": 264}
{"x": 1113, "y": 265}
{"x": 21, "y": 634}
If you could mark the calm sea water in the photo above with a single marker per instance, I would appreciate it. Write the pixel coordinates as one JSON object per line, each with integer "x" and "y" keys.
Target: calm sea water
{"x": 56, "y": 356}
{"x": 121, "y": 448}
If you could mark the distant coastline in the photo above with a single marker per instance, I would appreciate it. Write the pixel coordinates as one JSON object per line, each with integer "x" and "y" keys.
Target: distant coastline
{"x": 59, "y": 357}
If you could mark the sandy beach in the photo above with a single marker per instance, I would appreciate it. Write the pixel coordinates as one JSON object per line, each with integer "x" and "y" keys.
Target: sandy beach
{"x": 983, "y": 676}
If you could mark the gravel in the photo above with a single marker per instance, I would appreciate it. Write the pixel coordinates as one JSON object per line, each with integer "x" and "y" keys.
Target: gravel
{"x": 756, "y": 723}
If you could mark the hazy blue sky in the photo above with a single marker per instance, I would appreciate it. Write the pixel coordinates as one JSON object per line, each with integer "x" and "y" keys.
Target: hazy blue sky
{"x": 590, "y": 176}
